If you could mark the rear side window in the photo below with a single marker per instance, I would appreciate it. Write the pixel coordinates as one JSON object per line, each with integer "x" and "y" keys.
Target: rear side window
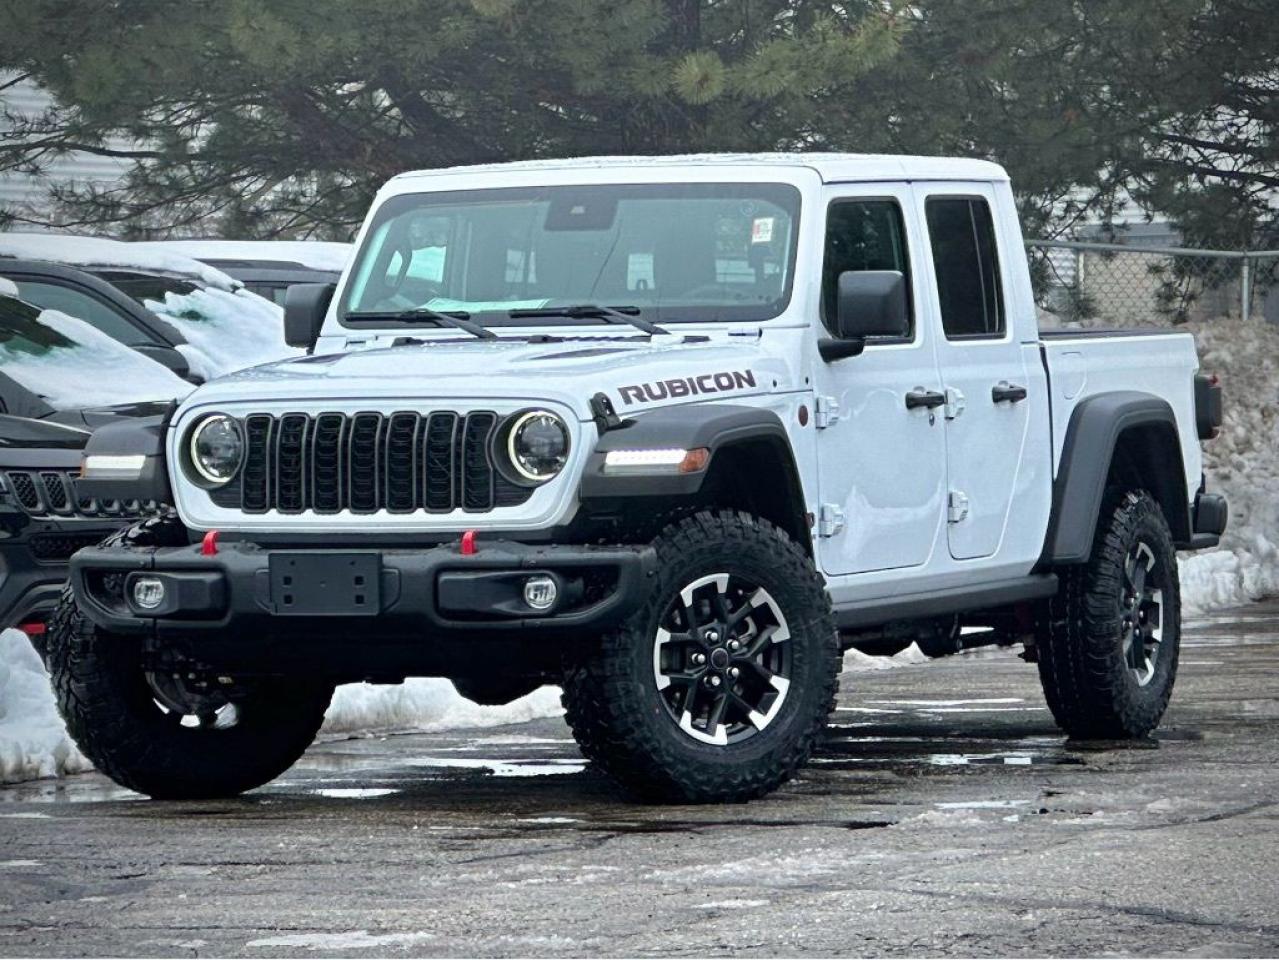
{"x": 962, "y": 234}
{"x": 862, "y": 235}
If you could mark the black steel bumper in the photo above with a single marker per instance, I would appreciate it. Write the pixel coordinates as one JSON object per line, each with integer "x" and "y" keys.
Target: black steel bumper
{"x": 246, "y": 592}
{"x": 1211, "y": 513}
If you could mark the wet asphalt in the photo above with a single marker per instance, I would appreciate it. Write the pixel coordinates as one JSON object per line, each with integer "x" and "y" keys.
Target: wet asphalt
{"x": 945, "y": 815}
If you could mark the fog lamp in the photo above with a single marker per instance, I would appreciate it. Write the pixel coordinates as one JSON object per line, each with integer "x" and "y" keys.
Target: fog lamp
{"x": 540, "y": 593}
{"x": 148, "y": 593}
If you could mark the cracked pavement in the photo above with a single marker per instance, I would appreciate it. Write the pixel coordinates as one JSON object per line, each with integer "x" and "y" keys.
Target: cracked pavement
{"x": 944, "y": 815}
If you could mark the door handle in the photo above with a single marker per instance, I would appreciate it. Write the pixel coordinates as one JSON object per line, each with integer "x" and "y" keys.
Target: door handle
{"x": 1005, "y": 392}
{"x": 919, "y": 397}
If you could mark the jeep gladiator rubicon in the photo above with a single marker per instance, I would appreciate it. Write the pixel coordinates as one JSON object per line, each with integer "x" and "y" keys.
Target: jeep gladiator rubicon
{"x": 669, "y": 432}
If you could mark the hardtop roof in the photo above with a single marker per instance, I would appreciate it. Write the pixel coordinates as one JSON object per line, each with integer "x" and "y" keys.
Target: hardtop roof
{"x": 831, "y": 167}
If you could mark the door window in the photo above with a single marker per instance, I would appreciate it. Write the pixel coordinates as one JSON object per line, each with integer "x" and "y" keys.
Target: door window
{"x": 965, "y": 261}
{"x": 83, "y": 306}
{"x": 863, "y": 235}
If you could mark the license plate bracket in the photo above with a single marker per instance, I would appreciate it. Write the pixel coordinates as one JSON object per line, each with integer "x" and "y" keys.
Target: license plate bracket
{"x": 326, "y": 583}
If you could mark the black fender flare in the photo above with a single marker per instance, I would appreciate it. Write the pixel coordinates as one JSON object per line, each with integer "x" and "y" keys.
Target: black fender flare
{"x": 1096, "y": 424}
{"x": 144, "y": 436}
{"x": 687, "y": 427}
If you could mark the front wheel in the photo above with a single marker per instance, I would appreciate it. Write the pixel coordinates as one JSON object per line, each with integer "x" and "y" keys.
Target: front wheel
{"x": 1108, "y": 650}
{"x": 718, "y": 687}
{"x": 175, "y": 734}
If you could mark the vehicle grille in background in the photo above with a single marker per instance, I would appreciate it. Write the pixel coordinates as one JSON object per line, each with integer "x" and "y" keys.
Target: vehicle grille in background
{"x": 52, "y": 493}
{"x": 364, "y": 462}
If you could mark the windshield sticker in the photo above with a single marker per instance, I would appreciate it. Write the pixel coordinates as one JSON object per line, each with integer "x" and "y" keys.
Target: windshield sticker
{"x": 762, "y": 230}
{"x": 687, "y": 386}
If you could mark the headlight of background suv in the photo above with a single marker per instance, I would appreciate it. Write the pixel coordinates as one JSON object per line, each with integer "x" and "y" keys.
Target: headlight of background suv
{"x": 215, "y": 450}
{"x": 532, "y": 447}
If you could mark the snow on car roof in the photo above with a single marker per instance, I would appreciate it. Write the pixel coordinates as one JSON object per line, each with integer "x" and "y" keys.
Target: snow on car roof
{"x": 313, "y": 254}
{"x": 831, "y": 167}
{"x": 100, "y": 253}
{"x": 8, "y": 288}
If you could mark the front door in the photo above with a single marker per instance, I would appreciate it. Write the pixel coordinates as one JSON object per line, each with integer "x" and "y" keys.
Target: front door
{"x": 882, "y": 460}
{"x": 990, "y": 390}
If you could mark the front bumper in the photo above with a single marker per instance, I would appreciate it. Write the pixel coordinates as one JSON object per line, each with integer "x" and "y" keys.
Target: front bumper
{"x": 245, "y": 592}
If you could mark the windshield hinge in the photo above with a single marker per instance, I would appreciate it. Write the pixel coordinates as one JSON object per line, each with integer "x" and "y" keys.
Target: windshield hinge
{"x": 830, "y": 522}
{"x": 826, "y": 412}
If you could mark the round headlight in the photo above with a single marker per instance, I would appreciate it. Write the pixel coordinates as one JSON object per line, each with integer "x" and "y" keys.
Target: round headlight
{"x": 216, "y": 449}
{"x": 537, "y": 445}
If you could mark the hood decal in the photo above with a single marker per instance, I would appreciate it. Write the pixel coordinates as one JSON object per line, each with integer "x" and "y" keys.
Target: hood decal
{"x": 655, "y": 390}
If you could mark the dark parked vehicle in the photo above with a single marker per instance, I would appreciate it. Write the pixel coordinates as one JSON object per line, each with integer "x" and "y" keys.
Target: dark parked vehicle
{"x": 102, "y": 304}
{"x": 44, "y": 517}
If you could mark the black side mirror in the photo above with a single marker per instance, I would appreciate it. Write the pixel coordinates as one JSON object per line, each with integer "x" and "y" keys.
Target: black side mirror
{"x": 869, "y": 303}
{"x": 305, "y": 305}
{"x": 166, "y": 356}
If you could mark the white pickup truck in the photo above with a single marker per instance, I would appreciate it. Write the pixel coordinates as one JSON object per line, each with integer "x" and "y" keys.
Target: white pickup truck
{"x": 670, "y": 432}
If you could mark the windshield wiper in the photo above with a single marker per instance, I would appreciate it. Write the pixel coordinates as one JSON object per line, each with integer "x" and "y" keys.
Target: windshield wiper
{"x": 608, "y": 314}
{"x": 460, "y": 320}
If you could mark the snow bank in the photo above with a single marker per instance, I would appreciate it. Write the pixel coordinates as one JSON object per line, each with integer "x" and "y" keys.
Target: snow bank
{"x": 96, "y": 371}
{"x": 33, "y": 741}
{"x": 225, "y": 331}
{"x": 428, "y": 704}
{"x": 315, "y": 254}
{"x": 1243, "y": 463}
{"x": 98, "y": 252}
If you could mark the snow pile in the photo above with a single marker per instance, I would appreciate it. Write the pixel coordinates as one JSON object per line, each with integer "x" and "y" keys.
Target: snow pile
{"x": 1243, "y": 463}
{"x": 95, "y": 371}
{"x": 225, "y": 331}
{"x": 8, "y": 288}
{"x": 428, "y": 704}
{"x": 99, "y": 253}
{"x": 33, "y": 741}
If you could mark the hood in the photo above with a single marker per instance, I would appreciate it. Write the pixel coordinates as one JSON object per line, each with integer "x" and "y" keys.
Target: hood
{"x": 634, "y": 373}
{"x": 22, "y": 433}
{"x": 93, "y": 417}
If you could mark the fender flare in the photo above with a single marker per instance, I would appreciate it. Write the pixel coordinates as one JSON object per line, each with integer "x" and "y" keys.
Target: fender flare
{"x": 1095, "y": 427}
{"x": 144, "y": 436}
{"x": 686, "y": 427}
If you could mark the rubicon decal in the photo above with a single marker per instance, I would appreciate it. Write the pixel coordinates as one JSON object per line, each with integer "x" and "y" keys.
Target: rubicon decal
{"x": 687, "y": 386}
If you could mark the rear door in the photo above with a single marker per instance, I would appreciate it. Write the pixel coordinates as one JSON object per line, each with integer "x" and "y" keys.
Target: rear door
{"x": 990, "y": 386}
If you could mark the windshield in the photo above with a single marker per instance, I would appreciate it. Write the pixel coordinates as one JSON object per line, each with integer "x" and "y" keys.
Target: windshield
{"x": 146, "y": 286}
{"x": 71, "y": 365}
{"x": 676, "y": 252}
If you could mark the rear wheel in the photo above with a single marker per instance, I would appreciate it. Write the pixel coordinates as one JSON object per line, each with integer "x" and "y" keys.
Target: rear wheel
{"x": 1108, "y": 652}
{"x": 175, "y": 734}
{"x": 719, "y": 686}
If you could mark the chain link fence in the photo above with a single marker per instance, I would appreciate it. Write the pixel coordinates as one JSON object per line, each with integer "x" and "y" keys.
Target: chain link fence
{"x": 1120, "y": 285}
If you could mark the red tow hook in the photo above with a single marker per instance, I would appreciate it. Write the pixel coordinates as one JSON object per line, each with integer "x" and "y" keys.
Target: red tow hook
{"x": 209, "y": 545}
{"x": 468, "y": 544}
{"x": 33, "y": 628}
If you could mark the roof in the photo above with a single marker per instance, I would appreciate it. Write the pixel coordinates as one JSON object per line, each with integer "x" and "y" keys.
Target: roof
{"x": 99, "y": 253}
{"x": 831, "y": 167}
{"x": 311, "y": 254}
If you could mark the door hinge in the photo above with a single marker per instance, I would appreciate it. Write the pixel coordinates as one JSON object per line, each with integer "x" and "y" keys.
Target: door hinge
{"x": 830, "y": 521}
{"x": 957, "y": 506}
{"x": 955, "y": 403}
{"x": 826, "y": 412}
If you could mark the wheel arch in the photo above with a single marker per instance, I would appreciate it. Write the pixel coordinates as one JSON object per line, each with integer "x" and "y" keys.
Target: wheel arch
{"x": 752, "y": 465}
{"x": 1125, "y": 438}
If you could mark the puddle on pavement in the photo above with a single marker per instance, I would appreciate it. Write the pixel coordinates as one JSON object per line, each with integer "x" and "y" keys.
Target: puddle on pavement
{"x": 501, "y": 768}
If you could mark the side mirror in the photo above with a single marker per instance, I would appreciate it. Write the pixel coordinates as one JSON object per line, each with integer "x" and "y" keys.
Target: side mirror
{"x": 869, "y": 303}
{"x": 167, "y": 357}
{"x": 305, "y": 305}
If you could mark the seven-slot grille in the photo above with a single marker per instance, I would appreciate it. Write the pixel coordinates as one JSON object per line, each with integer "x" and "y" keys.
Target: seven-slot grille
{"x": 52, "y": 493}
{"x": 364, "y": 462}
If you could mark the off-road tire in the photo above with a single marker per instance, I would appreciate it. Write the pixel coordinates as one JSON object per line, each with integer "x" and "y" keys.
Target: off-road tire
{"x": 612, "y": 701}
{"x": 111, "y": 714}
{"x": 1089, "y": 687}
